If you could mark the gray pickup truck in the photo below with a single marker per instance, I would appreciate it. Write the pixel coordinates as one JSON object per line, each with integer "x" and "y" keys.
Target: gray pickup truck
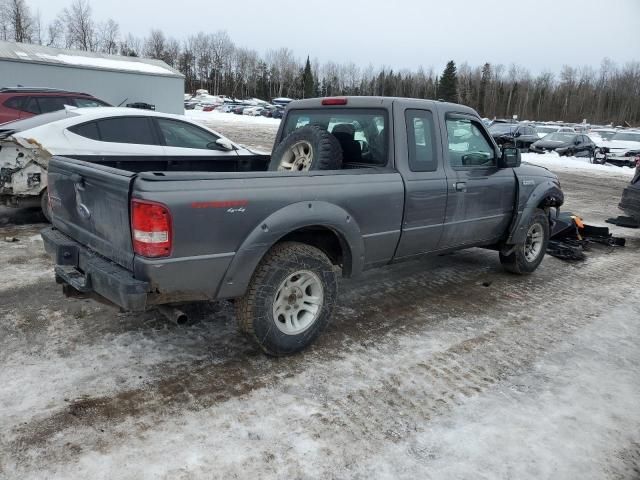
{"x": 353, "y": 183}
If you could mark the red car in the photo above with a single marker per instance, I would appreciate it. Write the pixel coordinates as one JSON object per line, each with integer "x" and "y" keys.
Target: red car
{"x": 24, "y": 102}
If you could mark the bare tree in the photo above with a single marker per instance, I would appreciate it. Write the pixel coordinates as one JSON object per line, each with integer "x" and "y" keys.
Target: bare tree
{"x": 108, "y": 35}
{"x": 16, "y": 21}
{"x": 131, "y": 46}
{"x": 55, "y": 33}
{"x": 155, "y": 45}
{"x": 80, "y": 30}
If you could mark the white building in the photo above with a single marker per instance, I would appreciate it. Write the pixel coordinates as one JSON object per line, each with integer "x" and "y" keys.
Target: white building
{"x": 115, "y": 79}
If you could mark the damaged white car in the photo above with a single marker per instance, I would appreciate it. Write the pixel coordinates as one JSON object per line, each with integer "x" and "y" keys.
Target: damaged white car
{"x": 104, "y": 135}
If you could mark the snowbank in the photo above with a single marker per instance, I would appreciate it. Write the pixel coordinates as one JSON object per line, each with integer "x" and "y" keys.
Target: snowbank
{"x": 222, "y": 117}
{"x": 553, "y": 161}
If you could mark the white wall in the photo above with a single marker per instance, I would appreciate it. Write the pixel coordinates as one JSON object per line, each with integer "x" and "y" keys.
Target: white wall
{"x": 165, "y": 92}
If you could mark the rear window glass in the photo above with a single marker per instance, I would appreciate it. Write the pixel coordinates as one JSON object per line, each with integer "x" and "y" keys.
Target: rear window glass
{"x": 362, "y": 133}
{"x": 31, "y": 106}
{"x": 51, "y": 104}
{"x": 14, "y": 102}
{"x": 127, "y": 130}
{"x": 88, "y": 102}
{"x": 421, "y": 141}
{"x": 87, "y": 130}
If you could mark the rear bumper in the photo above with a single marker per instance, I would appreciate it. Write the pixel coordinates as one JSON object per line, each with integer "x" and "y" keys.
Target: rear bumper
{"x": 87, "y": 272}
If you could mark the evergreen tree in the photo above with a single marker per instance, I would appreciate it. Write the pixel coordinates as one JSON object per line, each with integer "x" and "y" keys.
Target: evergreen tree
{"x": 448, "y": 87}
{"x": 307, "y": 81}
{"x": 484, "y": 83}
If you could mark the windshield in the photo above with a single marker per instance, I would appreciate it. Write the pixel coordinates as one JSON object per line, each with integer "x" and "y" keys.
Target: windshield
{"x": 604, "y": 134}
{"x": 502, "y": 127}
{"x": 38, "y": 120}
{"x": 361, "y": 133}
{"x": 627, "y": 136}
{"x": 560, "y": 137}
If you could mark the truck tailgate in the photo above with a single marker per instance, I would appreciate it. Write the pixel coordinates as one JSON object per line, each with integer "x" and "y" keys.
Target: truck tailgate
{"x": 90, "y": 203}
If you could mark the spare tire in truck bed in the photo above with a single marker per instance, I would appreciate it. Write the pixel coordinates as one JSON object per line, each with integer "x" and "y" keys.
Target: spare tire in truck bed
{"x": 307, "y": 148}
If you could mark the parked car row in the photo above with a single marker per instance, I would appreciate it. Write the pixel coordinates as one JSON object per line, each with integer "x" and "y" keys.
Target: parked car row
{"x": 601, "y": 144}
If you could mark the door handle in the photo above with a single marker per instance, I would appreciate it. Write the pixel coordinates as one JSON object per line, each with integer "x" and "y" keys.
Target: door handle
{"x": 460, "y": 186}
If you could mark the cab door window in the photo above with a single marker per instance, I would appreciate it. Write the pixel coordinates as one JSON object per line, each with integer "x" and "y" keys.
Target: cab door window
{"x": 468, "y": 146}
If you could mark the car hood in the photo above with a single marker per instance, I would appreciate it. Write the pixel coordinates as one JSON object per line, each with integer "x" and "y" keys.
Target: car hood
{"x": 620, "y": 145}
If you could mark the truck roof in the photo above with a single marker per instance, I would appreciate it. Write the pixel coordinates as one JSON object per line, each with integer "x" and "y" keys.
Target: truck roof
{"x": 372, "y": 102}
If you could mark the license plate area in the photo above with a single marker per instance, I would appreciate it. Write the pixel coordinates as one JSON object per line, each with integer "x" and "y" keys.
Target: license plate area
{"x": 67, "y": 255}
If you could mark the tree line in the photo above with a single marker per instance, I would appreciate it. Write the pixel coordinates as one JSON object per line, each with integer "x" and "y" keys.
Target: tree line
{"x": 609, "y": 94}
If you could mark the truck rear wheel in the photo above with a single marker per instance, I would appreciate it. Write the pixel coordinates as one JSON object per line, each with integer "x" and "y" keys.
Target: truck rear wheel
{"x": 290, "y": 299}
{"x": 307, "y": 148}
{"x": 527, "y": 255}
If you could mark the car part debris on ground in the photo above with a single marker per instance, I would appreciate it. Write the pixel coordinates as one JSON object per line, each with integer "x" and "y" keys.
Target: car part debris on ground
{"x": 571, "y": 237}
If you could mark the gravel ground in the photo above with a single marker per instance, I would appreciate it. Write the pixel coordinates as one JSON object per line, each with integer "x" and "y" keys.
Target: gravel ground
{"x": 439, "y": 368}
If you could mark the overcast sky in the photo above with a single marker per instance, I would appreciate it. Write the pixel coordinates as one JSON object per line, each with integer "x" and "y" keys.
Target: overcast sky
{"x": 540, "y": 35}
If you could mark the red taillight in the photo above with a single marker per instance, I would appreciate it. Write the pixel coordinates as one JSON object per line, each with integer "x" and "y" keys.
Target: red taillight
{"x": 150, "y": 229}
{"x": 334, "y": 101}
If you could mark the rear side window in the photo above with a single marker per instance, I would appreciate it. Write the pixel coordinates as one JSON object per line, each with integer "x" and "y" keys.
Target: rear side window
{"x": 14, "y": 102}
{"x": 421, "y": 141}
{"x": 87, "y": 130}
{"x": 127, "y": 130}
{"x": 51, "y": 104}
{"x": 31, "y": 106}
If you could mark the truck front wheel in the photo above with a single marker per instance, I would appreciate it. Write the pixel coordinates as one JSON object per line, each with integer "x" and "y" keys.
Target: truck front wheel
{"x": 525, "y": 257}
{"x": 290, "y": 298}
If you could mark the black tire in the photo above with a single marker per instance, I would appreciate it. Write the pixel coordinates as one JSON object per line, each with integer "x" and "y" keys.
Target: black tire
{"x": 325, "y": 152}
{"x": 517, "y": 261}
{"x": 255, "y": 310}
{"x": 44, "y": 205}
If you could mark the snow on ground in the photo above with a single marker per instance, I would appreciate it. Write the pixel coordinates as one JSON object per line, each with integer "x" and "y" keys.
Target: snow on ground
{"x": 231, "y": 118}
{"x": 553, "y": 161}
{"x": 21, "y": 246}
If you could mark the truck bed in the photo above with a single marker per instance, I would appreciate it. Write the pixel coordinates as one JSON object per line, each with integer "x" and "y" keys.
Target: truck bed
{"x": 216, "y": 215}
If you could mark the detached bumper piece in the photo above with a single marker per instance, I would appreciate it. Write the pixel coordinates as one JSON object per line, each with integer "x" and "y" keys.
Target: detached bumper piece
{"x": 88, "y": 273}
{"x": 570, "y": 238}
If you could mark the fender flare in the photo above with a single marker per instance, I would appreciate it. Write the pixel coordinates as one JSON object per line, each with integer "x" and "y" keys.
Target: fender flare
{"x": 546, "y": 189}
{"x": 283, "y": 222}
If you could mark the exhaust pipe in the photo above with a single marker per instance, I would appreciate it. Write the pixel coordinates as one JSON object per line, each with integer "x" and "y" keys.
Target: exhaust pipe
{"x": 173, "y": 314}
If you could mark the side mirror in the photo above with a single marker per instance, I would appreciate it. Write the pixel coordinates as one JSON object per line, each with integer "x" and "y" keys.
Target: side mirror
{"x": 576, "y": 142}
{"x": 510, "y": 158}
{"x": 221, "y": 143}
{"x": 517, "y": 134}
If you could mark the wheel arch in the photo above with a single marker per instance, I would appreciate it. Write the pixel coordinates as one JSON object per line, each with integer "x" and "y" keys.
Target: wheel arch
{"x": 544, "y": 196}
{"x": 323, "y": 225}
